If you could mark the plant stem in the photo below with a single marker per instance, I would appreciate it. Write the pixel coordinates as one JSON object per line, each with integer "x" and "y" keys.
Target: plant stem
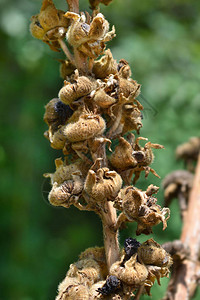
{"x": 66, "y": 51}
{"x": 73, "y": 5}
{"x": 184, "y": 279}
{"x": 111, "y": 244}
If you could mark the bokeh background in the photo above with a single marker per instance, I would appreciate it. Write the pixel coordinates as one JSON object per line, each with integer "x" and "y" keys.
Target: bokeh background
{"x": 160, "y": 39}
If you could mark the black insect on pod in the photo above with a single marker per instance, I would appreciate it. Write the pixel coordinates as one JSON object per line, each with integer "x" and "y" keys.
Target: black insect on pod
{"x": 111, "y": 286}
{"x": 130, "y": 247}
{"x": 63, "y": 111}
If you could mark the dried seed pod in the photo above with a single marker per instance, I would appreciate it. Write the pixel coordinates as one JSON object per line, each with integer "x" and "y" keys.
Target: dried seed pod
{"x": 72, "y": 91}
{"x": 50, "y": 24}
{"x": 97, "y": 254}
{"x": 131, "y": 203}
{"x": 73, "y": 291}
{"x": 132, "y": 272}
{"x": 103, "y": 184}
{"x": 88, "y": 126}
{"x": 64, "y": 172}
{"x": 105, "y": 66}
{"x": 151, "y": 253}
{"x": 122, "y": 157}
{"x": 125, "y": 70}
{"x": 131, "y": 118}
{"x": 58, "y": 138}
{"x": 129, "y": 87}
{"x": 87, "y": 271}
{"x": 189, "y": 151}
{"x": 66, "y": 68}
{"x": 89, "y": 38}
{"x": 102, "y": 99}
{"x": 66, "y": 193}
{"x": 70, "y": 288}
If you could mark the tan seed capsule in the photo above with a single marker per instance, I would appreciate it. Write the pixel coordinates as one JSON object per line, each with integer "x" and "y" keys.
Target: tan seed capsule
{"x": 102, "y": 99}
{"x": 105, "y": 66}
{"x": 87, "y": 271}
{"x": 131, "y": 203}
{"x": 74, "y": 292}
{"x": 151, "y": 253}
{"x": 65, "y": 193}
{"x": 49, "y": 18}
{"x": 88, "y": 126}
{"x": 132, "y": 272}
{"x": 122, "y": 157}
{"x": 102, "y": 184}
{"x": 64, "y": 172}
{"x": 72, "y": 91}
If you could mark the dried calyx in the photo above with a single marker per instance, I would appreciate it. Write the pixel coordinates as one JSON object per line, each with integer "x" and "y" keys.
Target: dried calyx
{"x": 96, "y": 107}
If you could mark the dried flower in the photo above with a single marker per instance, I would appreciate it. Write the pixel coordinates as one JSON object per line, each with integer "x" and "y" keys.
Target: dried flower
{"x": 89, "y": 38}
{"x": 88, "y": 126}
{"x": 105, "y": 66}
{"x": 102, "y": 184}
{"x": 131, "y": 272}
{"x": 151, "y": 253}
{"x": 49, "y": 25}
{"x": 71, "y": 289}
{"x": 141, "y": 207}
{"x": 70, "y": 92}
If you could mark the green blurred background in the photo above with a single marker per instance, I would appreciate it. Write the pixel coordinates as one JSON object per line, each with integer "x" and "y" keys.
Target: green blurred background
{"x": 161, "y": 41}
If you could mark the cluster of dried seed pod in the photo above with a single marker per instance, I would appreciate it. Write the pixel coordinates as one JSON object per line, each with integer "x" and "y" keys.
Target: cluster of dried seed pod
{"x": 141, "y": 207}
{"x": 139, "y": 266}
{"x": 96, "y": 107}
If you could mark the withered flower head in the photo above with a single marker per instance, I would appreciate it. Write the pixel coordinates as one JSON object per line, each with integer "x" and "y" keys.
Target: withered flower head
{"x": 71, "y": 289}
{"x": 105, "y": 66}
{"x": 151, "y": 253}
{"x": 66, "y": 193}
{"x": 122, "y": 158}
{"x": 89, "y": 38}
{"x": 131, "y": 272}
{"x": 87, "y": 271}
{"x": 66, "y": 68}
{"x": 88, "y": 126}
{"x": 49, "y": 25}
{"x": 102, "y": 184}
{"x": 81, "y": 86}
{"x": 141, "y": 207}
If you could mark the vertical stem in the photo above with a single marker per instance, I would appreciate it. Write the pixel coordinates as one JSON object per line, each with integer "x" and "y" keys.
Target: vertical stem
{"x": 111, "y": 244}
{"x": 73, "y": 5}
{"x": 66, "y": 51}
{"x": 183, "y": 282}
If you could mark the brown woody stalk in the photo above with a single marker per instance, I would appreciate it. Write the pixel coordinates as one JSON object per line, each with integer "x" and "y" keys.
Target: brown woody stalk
{"x": 184, "y": 280}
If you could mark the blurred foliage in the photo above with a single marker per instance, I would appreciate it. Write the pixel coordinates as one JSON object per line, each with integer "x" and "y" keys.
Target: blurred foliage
{"x": 160, "y": 39}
